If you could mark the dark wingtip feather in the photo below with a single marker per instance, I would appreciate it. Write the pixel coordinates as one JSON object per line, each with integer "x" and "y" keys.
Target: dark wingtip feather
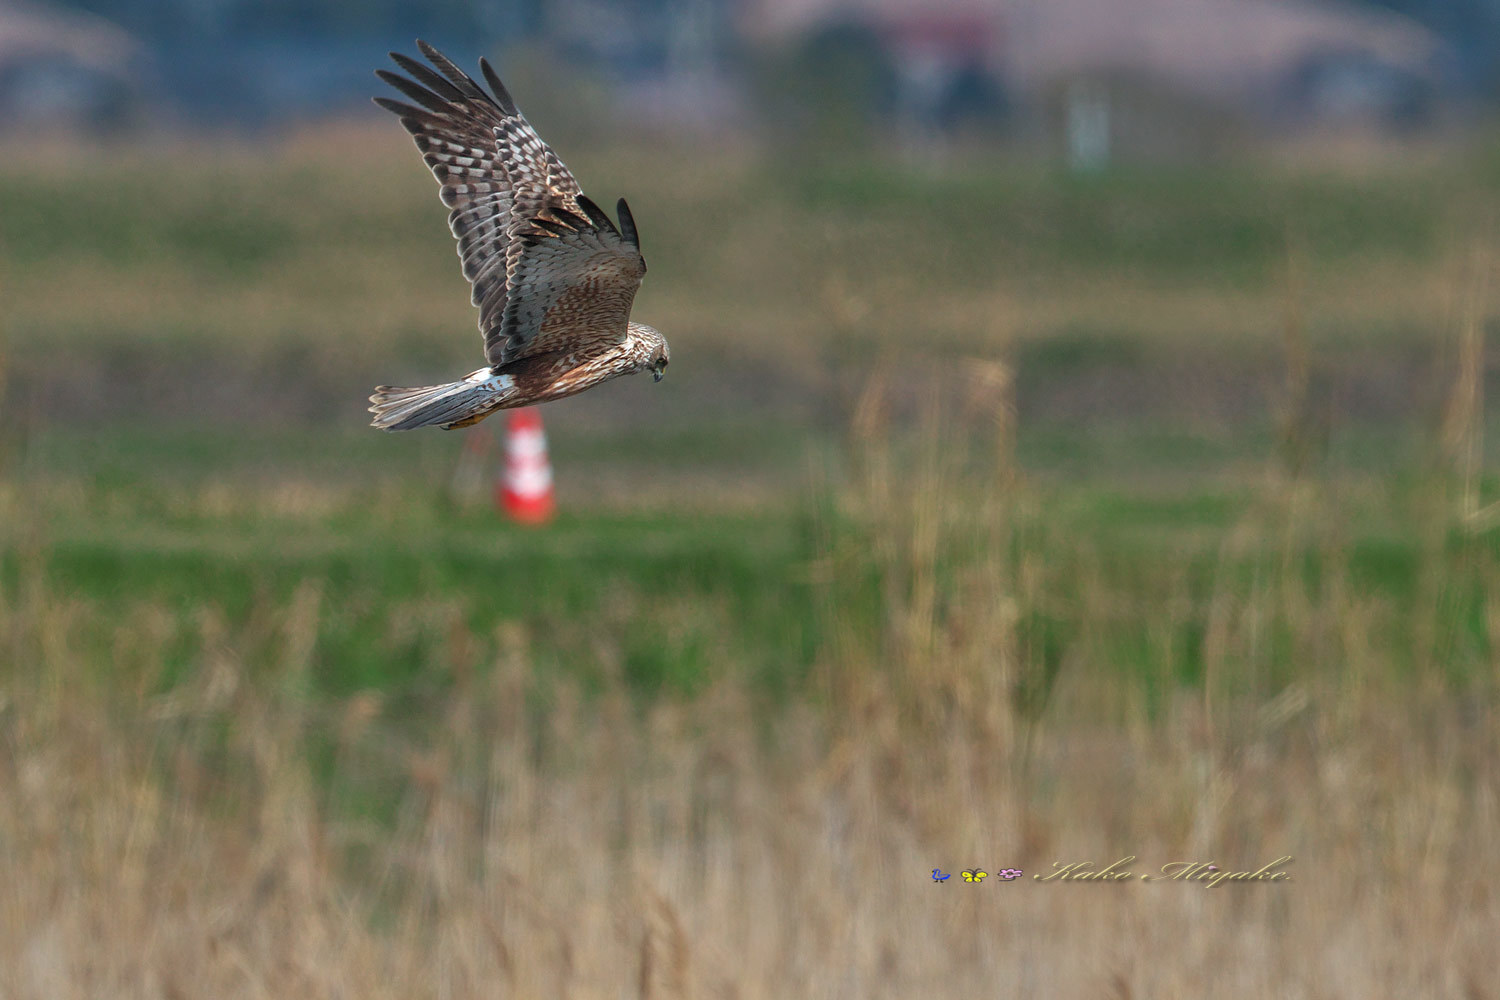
{"x": 596, "y": 215}
{"x": 406, "y": 112}
{"x": 431, "y": 101}
{"x": 456, "y": 76}
{"x": 627, "y": 224}
{"x": 548, "y": 226}
{"x": 502, "y": 96}
{"x": 567, "y": 218}
{"x": 427, "y": 78}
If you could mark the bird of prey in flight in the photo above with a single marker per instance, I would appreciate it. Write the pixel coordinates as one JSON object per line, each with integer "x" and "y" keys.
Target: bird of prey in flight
{"x": 553, "y": 277}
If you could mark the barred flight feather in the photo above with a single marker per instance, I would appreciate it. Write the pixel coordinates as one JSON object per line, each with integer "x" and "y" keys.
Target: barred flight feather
{"x": 553, "y": 276}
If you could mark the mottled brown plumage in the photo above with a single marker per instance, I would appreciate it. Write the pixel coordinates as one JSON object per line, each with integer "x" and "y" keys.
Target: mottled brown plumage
{"x": 553, "y": 276}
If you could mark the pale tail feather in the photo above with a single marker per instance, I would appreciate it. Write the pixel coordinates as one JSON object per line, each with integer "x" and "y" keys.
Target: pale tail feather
{"x": 402, "y": 409}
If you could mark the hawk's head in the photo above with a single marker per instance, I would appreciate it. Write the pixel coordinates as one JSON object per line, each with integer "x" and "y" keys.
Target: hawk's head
{"x": 651, "y": 348}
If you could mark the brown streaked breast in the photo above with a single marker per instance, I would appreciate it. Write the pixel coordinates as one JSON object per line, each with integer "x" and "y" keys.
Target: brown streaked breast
{"x": 556, "y": 374}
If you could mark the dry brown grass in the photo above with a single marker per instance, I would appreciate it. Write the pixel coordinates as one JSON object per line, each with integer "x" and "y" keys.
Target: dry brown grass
{"x": 688, "y": 853}
{"x": 196, "y": 843}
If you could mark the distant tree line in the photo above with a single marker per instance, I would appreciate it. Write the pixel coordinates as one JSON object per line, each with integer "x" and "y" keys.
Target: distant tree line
{"x": 206, "y": 45}
{"x": 175, "y": 20}
{"x": 1472, "y": 27}
{"x": 1472, "y": 30}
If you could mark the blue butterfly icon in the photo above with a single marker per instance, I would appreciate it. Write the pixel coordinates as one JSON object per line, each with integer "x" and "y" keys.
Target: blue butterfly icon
{"x": 938, "y": 876}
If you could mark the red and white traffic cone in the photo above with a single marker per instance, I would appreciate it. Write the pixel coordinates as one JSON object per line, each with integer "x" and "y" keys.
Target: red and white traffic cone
{"x": 525, "y": 488}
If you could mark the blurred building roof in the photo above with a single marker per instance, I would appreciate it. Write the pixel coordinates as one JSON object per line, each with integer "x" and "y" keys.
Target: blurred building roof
{"x": 33, "y": 31}
{"x": 1213, "y": 47}
{"x": 1219, "y": 48}
{"x": 61, "y": 68}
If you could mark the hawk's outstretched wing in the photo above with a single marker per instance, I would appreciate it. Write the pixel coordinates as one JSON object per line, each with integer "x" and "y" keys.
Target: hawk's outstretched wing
{"x": 574, "y": 280}
{"x": 498, "y": 177}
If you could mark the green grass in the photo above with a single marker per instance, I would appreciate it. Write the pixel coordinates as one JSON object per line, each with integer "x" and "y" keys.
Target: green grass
{"x": 749, "y": 254}
{"x": 415, "y": 589}
{"x": 695, "y": 542}
{"x": 1182, "y": 225}
{"x": 618, "y": 580}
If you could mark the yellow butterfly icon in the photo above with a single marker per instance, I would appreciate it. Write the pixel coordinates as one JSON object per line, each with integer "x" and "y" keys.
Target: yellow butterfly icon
{"x": 974, "y": 875}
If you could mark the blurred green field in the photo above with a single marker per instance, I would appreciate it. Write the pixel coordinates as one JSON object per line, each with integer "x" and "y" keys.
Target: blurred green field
{"x": 1137, "y": 513}
{"x": 190, "y": 333}
{"x": 296, "y": 270}
{"x": 671, "y": 598}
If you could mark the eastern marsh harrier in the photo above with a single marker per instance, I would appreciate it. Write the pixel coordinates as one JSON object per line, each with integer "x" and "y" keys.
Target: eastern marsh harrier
{"x": 553, "y": 277}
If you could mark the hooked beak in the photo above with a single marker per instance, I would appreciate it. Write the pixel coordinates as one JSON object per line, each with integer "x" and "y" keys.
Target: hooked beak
{"x": 657, "y": 373}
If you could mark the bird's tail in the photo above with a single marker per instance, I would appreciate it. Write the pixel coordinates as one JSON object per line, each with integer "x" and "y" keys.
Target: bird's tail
{"x": 456, "y": 404}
